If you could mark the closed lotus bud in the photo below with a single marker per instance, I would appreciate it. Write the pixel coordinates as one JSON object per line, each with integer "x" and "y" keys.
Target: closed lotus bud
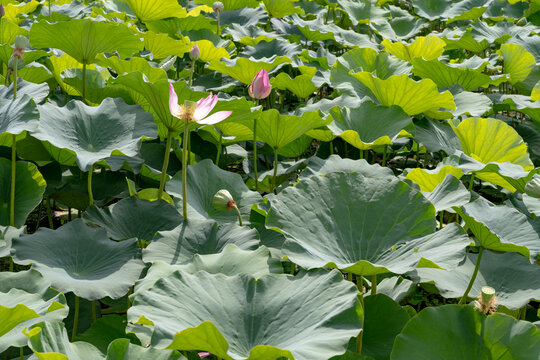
{"x": 223, "y": 200}
{"x": 260, "y": 87}
{"x": 194, "y": 53}
{"x": 218, "y": 6}
{"x": 21, "y": 42}
{"x": 2, "y": 11}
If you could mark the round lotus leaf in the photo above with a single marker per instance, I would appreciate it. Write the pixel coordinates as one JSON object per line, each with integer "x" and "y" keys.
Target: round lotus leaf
{"x": 198, "y": 237}
{"x": 26, "y": 299}
{"x": 94, "y": 133}
{"x": 29, "y": 188}
{"x": 135, "y": 218}
{"x": 516, "y": 281}
{"x": 501, "y": 228}
{"x": 204, "y": 180}
{"x": 18, "y": 115}
{"x": 452, "y": 332}
{"x": 81, "y": 259}
{"x": 309, "y": 316}
{"x": 318, "y": 166}
{"x": 355, "y": 223}
{"x": 50, "y": 340}
{"x": 533, "y": 186}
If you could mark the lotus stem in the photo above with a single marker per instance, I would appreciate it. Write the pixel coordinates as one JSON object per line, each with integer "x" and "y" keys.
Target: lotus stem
{"x": 191, "y": 73}
{"x": 218, "y": 23}
{"x": 165, "y": 164}
{"x": 384, "y": 154}
{"x": 359, "y": 283}
{"x": 219, "y": 149}
{"x": 21, "y": 352}
{"x": 84, "y": 82}
{"x": 293, "y": 268}
{"x": 274, "y": 178}
{"x": 184, "y": 169}
{"x": 90, "y": 195}
{"x": 13, "y": 178}
{"x": 441, "y": 219}
{"x": 331, "y": 147}
{"x": 255, "y": 154}
{"x": 373, "y": 284}
{"x": 16, "y": 67}
{"x": 473, "y": 278}
{"x": 471, "y": 183}
{"x": 239, "y": 215}
{"x": 75, "y": 319}
{"x": 94, "y": 317}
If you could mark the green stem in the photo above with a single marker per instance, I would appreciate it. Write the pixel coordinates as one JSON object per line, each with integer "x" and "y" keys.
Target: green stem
{"x": 373, "y": 284}
{"x": 473, "y": 278}
{"x": 331, "y": 148}
{"x": 16, "y": 67}
{"x": 21, "y": 351}
{"x": 441, "y": 219}
{"x": 359, "y": 281}
{"x": 84, "y": 82}
{"x": 219, "y": 149}
{"x": 384, "y": 154}
{"x": 13, "y": 175}
{"x": 94, "y": 317}
{"x": 239, "y": 215}
{"x": 255, "y": 154}
{"x": 49, "y": 213}
{"x": 293, "y": 268}
{"x": 165, "y": 164}
{"x": 274, "y": 178}
{"x": 350, "y": 276}
{"x": 75, "y": 319}
{"x": 90, "y": 195}
{"x": 471, "y": 183}
{"x": 184, "y": 169}
{"x": 191, "y": 73}
{"x": 218, "y": 23}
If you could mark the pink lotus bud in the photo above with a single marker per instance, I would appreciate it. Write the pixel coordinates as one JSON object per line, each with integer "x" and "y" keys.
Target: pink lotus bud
{"x": 194, "y": 53}
{"x": 260, "y": 87}
{"x": 2, "y": 11}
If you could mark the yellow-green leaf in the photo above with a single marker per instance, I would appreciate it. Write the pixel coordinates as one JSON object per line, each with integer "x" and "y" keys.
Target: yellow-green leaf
{"x": 429, "y": 47}
{"x": 518, "y": 62}
{"x": 156, "y": 9}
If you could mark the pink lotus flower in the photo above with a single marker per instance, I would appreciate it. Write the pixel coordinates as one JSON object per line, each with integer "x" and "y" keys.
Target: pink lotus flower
{"x": 260, "y": 87}
{"x": 202, "y": 355}
{"x": 196, "y": 111}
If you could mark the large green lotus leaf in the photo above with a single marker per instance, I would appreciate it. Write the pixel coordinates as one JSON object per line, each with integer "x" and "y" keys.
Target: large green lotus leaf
{"x": 301, "y": 86}
{"x": 204, "y": 180}
{"x": 281, "y": 8}
{"x": 318, "y": 166}
{"x": 278, "y": 130}
{"x": 499, "y": 32}
{"x": 155, "y": 10}
{"x": 49, "y": 341}
{"x": 134, "y": 64}
{"x": 248, "y": 35}
{"x": 29, "y": 188}
{"x": 395, "y": 287}
{"x": 501, "y": 228}
{"x": 532, "y": 195}
{"x": 444, "y": 75}
{"x": 135, "y": 218}
{"x": 96, "y": 86}
{"x": 172, "y": 26}
{"x": 449, "y": 193}
{"x": 383, "y": 321}
{"x": 428, "y": 180}
{"x": 38, "y": 92}
{"x": 94, "y": 133}
{"x": 93, "y": 37}
{"x": 519, "y": 103}
{"x": 467, "y": 103}
{"x": 451, "y": 10}
{"x": 452, "y": 332}
{"x": 368, "y": 125}
{"x": 492, "y": 141}
{"x": 23, "y": 309}
{"x": 10, "y": 30}
{"x": 162, "y": 45}
{"x": 240, "y": 317}
{"x": 15, "y": 12}
{"x": 360, "y": 246}
{"x": 436, "y": 135}
{"x": 106, "y": 329}
{"x": 231, "y": 261}
{"x": 516, "y": 281}
{"x": 18, "y": 115}
{"x": 400, "y": 26}
{"x": 81, "y": 259}
{"x": 506, "y": 10}
{"x": 122, "y": 349}
{"x": 61, "y": 63}
{"x": 198, "y": 237}
{"x": 427, "y": 47}
{"x": 518, "y": 62}
{"x": 414, "y": 97}
{"x": 363, "y": 11}
{"x": 7, "y": 233}
{"x": 26, "y": 293}
{"x": 462, "y": 39}
{"x": 244, "y": 69}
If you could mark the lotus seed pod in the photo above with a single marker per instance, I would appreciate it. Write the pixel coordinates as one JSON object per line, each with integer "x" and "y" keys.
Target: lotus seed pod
{"x": 223, "y": 200}
{"x": 21, "y": 42}
{"x": 218, "y": 6}
{"x": 194, "y": 53}
{"x": 487, "y": 293}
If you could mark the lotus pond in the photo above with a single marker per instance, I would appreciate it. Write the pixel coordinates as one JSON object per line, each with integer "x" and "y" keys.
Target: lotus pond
{"x": 270, "y": 179}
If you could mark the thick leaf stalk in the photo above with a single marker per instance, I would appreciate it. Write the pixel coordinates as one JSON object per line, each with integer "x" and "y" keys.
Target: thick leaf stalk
{"x": 184, "y": 169}
{"x": 165, "y": 164}
{"x": 473, "y": 278}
